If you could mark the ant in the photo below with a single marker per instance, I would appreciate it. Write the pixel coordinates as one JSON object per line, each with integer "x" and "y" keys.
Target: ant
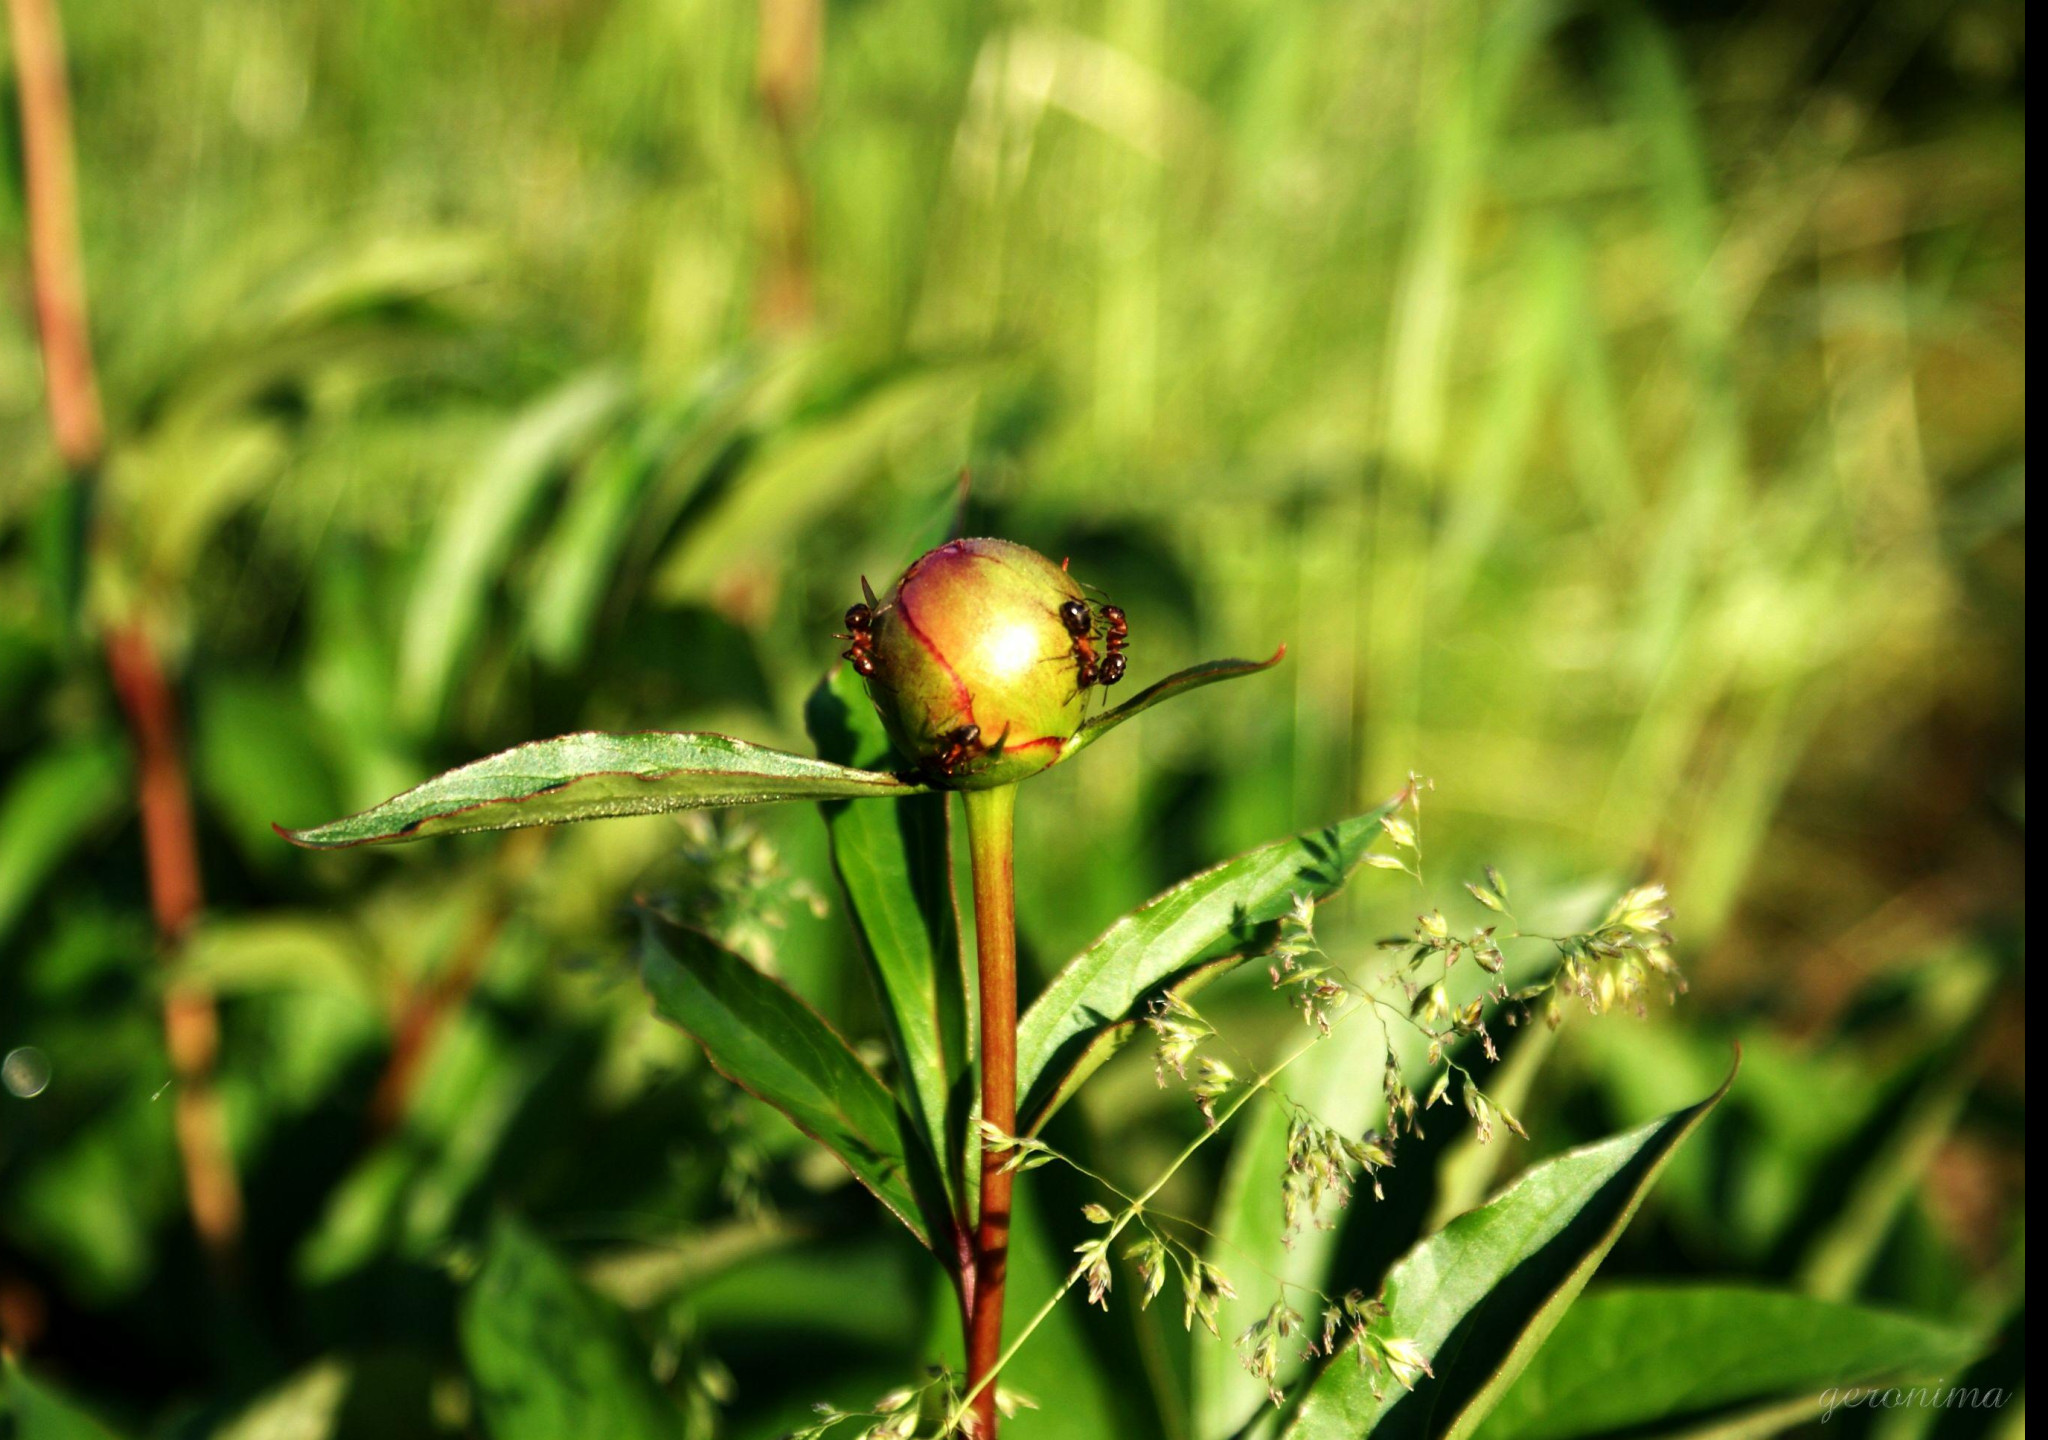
{"x": 1116, "y": 634}
{"x": 1080, "y": 623}
{"x": 955, "y": 746}
{"x": 860, "y": 629}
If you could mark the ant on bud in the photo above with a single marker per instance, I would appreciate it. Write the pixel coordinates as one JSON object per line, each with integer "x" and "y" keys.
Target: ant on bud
{"x": 860, "y": 629}
{"x": 1116, "y": 634}
{"x": 1080, "y": 623}
{"x": 1088, "y": 624}
{"x": 955, "y": 746}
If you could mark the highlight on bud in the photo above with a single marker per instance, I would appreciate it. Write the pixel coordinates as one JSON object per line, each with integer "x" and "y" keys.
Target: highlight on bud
{"x": 976, "y": 660}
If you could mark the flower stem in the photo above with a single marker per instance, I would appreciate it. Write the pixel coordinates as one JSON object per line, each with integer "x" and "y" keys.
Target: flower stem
{"x": 990, "y": 845}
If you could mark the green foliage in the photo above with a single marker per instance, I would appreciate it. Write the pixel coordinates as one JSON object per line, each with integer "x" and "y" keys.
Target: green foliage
{"x": 547, "y": 1357}
{"x": 473, "y": 538}
{"x": 592, "y": 776}
{"x": 1466, "y": 1308}
{"x": 40, "y": 1413}
{"x": 1620, "y": 415}
{"x": 1675, "y": 1356}
{"x": 1178, "y": 683}
{"x": 768, "y": 1042}
{"x": 1108, "y": 982}
{"x": 49, "y": 807}
{"x": 895, "y": 864}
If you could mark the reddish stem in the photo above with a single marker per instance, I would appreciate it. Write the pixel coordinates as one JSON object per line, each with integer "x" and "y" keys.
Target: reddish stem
{"x": 990, "y": 814}
{"x": 57, "y": 271}
{"x": 170, "y": 850}
{"x": 71, "y": 392}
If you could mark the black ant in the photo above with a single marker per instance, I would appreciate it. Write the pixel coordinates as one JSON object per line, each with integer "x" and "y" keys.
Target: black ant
{"x": 1080, "y": 623}
{"x": 955, "y": 746}
{"x": 1116, "y": 634}
{"x": 860, "y": 629}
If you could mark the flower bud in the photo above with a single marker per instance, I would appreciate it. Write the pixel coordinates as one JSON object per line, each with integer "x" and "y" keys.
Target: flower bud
{"x": 976, "y": 675}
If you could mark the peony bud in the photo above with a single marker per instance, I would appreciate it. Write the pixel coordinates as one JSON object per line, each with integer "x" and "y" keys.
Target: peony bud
{"x": 976, "y": 675}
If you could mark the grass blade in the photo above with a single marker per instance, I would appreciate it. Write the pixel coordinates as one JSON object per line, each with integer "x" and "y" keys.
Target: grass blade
{"x": 471, "y": 542}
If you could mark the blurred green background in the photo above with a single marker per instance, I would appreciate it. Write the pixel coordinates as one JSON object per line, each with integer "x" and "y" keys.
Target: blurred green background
{"x": 1618, "y": 410}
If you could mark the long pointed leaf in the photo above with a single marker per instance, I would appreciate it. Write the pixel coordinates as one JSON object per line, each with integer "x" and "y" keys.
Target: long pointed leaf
{"x": 1169, "y": 932}
{"x": 549, "y": 1357}
{"x": 632, "y": 490}
{"x": 771, "y": 1044}
{"x": 1178, "y": 683}
{"x": 1663, "y": 1359}
{"x": 895, "y": 864}
{"x": 1480, "y": 1296}
{"x": 477, "y": 530}
{"x": 50, "y": 804}
{"x": 592, "y": 776}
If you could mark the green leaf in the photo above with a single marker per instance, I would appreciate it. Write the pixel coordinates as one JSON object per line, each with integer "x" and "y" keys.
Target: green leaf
{"x": 1468, "y": 1170}
{"x": 1652, "y": 1359}
{"x": 804, "y": 469}
{"x": 40, "y": 1413}
{"x": 306, "y": 1406}
{"x": 476, "y": 531}
{"x": 1104, "y": 983}
{"x": 629, "y": 495}
{"x": 53, "y": 800}
{"x": 591, "y": 776}
{"x": 405, "y": 1197}
{"x": 1179, "y": 683}
{"x": 185, "y": 478}
{"x": 256, "y": 751}
{"x": 895, "y": 863}
{"x": 1898, "y": 1160}
{"x": 771, "y": 1044}
{"x": 1479, "y": 1297}
{"x": 548, "y": 1357}
{"x": 1248, "y": 1238}
{"x": 1059, "y": 1083}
